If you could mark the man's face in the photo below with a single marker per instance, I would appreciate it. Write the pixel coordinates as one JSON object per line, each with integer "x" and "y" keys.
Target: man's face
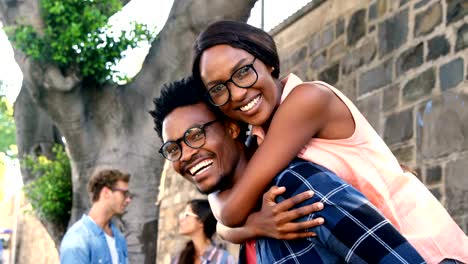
{"x": 212, "y": 163}
{"x": 120, "y": 197}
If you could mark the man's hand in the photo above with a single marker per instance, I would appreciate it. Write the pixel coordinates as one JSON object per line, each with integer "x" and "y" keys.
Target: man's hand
{"x": 276, "y": 220}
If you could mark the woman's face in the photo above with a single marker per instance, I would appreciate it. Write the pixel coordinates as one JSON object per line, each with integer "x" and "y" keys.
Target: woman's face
{"x": 253, "y": 105}
{"x": 189, "y": 223}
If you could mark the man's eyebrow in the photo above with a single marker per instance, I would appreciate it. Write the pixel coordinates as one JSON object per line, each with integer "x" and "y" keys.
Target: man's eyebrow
{"x": 233, "y": 69}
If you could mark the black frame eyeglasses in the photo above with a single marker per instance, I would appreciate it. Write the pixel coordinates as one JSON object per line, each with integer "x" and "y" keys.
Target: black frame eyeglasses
{"x": 244, "y": 77}
{"x": 125, "y": 192}
{"x": 194, "y": 137}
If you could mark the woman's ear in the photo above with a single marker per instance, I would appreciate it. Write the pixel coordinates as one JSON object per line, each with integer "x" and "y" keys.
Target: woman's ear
{"x": 232, "y": 128}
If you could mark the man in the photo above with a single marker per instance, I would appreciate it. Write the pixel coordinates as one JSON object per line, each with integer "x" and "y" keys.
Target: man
{"x": 94, "y": 238}
{"x": 207, "y": 149}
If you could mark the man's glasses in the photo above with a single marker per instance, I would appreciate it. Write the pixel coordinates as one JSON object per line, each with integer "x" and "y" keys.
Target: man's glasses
{"x": 126, "y": 193}
{"x": 244, "y": 77}
{"x": 194, "y": 137}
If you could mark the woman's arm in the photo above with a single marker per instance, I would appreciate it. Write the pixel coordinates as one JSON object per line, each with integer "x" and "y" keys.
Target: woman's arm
{"x": 301, "y": 116}
{"x": 275, "y": 220}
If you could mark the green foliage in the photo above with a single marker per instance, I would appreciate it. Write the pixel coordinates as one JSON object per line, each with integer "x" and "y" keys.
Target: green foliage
{"x": 76, "y": 35}
{"x": 50, "y": 193}
{"x": 7, "y": 126}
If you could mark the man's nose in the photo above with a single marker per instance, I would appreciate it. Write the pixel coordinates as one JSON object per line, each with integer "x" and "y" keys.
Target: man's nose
{"x": 187, "y": 152}
{"x": 237, "y": 94}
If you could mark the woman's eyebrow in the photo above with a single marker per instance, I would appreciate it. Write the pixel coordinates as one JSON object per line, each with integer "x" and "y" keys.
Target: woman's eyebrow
{"x": 233, "y": 69}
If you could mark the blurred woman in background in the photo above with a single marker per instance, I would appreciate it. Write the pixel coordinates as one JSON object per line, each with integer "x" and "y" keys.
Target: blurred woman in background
{"x": 197, "y": 222}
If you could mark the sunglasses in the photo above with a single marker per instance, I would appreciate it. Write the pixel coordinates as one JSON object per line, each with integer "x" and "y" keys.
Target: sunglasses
{"x": 186, "y": 214}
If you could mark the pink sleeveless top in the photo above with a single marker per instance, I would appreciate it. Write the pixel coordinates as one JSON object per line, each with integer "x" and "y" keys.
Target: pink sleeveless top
{"x": 364, "y": 161}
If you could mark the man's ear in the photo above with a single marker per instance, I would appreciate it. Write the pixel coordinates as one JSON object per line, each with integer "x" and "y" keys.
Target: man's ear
{"x": 105, "y": 192}
{"x": 232, "y": 128}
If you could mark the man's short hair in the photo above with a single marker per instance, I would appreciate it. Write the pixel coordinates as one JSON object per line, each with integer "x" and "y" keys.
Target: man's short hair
{"x": 105, "y": 178}
{"x": 184, "y": 92}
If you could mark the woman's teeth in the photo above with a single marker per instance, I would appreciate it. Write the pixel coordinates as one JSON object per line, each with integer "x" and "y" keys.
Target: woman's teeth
{"x": 250, "y": 105}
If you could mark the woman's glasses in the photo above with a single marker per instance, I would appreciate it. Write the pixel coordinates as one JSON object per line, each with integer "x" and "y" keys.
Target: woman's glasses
{"x": 186, "y": 214}
{"x": 244, "y": 77}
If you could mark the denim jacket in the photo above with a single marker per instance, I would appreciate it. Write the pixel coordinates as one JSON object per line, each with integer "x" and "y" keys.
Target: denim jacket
{"x": 85, "y": 242}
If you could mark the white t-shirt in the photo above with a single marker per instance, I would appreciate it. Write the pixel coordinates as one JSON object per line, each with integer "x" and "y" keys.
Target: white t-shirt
{"x": 112, "y": 248}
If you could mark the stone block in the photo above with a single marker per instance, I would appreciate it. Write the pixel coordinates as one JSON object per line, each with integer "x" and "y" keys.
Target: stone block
{"x": 442, "y": 126}
{"x": 358, "y": 57}
{"x": 371, "y": 108}
{"x": 419, "y": 86}
{"x": 399, "y": 127}
{"x": 340, "y": 27}
{"x": 356, "y": 27}
{"x": 299, "y": 55}
{"x": 421, "y": 3}
{"x": 376, "y": 78}
{"x": 314, "y": 43}
{"x": 372, "y": 11}
{"x": 456, "y": 184}
{"x": 391, "y": 97}
{"x": 405, "y": 154}
{"x": 393, "y": 32}
{"x": 437, "y": 46}
{"x": 451, "y": 74}
{"x": 348, "y": 87}
{"x": 328, "y": 35}
{"x": 410, "y": 58}
{"x": 456, "y": 10}
{"x": 319, "y": 61}
{"x": 417, "y": 173}
{"x": 434, "y": 175}
{"x": 437, "y": 192}
{"x": 462, "y": 38}
{"x": 428, "y": 20}
{"x": 336, "y": 51}
{"x": 331, "y": 74}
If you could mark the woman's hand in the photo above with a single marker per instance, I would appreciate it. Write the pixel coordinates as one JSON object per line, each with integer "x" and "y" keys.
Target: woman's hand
{"x": 276, "y": 220}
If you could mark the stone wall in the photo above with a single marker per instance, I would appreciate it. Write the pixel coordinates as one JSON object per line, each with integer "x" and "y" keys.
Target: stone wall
{"x": 30, "y": 242}
{"x": 404, "y": 64}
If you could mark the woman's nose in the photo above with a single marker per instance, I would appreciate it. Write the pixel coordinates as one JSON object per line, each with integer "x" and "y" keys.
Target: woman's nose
{"x": 237, "y": 94}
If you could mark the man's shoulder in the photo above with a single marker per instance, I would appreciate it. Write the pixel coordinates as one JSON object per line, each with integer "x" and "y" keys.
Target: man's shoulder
{"x": 301, "y": 175}
{"x": 304, "y": 167}
{"x": 78, "y": 231}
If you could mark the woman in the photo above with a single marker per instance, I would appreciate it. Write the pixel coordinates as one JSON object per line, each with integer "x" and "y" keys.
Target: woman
{"x": 239, "y": 66}
{"x": 197, "y": 222}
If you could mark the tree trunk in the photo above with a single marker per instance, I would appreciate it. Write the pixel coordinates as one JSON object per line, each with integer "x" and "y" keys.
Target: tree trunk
{"x": 36, "y": 135}
{"x": 110, "y": 126}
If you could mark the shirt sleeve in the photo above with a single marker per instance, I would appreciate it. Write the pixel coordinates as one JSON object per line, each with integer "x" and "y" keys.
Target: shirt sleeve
{"x": 354, "y": 229}
{"x": 74, "y": 254}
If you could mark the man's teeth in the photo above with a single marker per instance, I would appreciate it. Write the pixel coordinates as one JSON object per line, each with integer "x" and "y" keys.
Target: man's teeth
{"x": 250, "y": 105}
{"x": 196, "y": 168}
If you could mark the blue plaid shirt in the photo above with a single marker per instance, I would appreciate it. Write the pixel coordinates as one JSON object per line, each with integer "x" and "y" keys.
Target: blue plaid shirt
{"x": 354, "y": 231}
